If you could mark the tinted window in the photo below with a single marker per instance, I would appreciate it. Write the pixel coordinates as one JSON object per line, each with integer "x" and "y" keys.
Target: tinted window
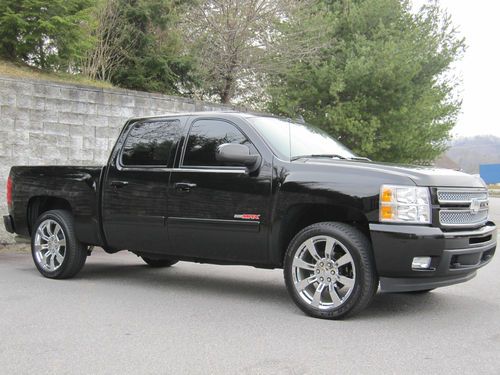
{"x": 204, "y": 138}
{"x": 305, "y": 139}
{"x": 151, "y": 143}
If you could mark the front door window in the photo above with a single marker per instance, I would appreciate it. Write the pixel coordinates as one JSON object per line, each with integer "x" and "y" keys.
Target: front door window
{"x": 204, "y": 138}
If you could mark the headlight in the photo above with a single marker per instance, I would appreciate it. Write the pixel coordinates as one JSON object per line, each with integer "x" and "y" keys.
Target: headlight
{"x": 404, "y": 204}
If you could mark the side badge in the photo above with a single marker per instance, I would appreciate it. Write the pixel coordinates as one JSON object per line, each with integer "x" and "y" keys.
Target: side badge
{"x": 247, "y": 216}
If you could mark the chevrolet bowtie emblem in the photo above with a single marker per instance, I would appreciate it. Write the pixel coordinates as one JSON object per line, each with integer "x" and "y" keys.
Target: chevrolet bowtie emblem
{"x": 475, "y": 206}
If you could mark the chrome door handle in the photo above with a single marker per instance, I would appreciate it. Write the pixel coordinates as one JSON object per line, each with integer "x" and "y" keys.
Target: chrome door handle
{"x": 184, "y": 186}
{"x": 119, "y": 184}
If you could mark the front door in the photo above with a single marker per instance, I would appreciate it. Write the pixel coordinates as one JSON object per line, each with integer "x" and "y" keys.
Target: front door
{"x": 215, "y": 211}
{"x": 135, "y": 188}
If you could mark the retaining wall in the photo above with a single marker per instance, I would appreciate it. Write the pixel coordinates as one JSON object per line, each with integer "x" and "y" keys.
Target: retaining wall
{"x": 47, "y": 123}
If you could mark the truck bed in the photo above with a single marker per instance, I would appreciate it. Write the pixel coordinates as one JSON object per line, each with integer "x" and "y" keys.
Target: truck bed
{"x": 74, "y": 187}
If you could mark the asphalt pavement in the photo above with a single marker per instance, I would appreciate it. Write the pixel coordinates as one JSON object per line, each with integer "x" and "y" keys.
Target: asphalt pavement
{"x": 120, "y": 316}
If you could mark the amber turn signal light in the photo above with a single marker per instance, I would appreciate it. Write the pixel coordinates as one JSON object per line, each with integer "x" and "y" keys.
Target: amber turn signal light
{"x": 386, "y": 195}
{"x": 386, "y": 212}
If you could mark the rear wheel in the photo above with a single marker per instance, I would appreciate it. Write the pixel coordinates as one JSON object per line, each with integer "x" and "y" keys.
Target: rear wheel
{"x": 159, "y": 263}
{"x": 329, "y": 270}
{"x": 56, "y": 251}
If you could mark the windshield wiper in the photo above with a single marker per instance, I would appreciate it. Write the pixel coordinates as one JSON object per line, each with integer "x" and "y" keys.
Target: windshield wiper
{"x": 361, "y": 158}
{"x": 318, "y": 156}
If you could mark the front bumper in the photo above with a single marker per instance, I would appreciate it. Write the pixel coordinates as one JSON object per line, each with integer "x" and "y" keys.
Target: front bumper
{"x": 456, "y": 255}
{"x": 8, "y": 222}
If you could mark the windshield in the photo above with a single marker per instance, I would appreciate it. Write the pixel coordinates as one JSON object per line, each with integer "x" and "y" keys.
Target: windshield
{"x": 306, "y": 140}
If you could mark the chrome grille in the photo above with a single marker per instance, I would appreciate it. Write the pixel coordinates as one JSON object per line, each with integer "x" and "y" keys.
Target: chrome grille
{"x": 460, "y": 196}
{"x": 463, "y": 207}
{"x": 462, "y": 218}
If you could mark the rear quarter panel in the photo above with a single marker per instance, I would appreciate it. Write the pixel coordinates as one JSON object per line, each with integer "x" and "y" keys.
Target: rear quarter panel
{"x": 77, "y": 185}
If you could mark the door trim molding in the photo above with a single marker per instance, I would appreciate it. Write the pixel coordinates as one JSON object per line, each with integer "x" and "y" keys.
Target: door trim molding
{"x": 211, "y": 170}
{"x": 246, "y": 225}
{"x": 188, "y": 170}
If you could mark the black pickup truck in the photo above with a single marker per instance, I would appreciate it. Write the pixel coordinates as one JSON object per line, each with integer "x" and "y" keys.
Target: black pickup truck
{"x": 236, "y": 188}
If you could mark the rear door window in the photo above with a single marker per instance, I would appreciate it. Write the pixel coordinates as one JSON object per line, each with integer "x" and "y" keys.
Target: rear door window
{"x": 151, "y": 143}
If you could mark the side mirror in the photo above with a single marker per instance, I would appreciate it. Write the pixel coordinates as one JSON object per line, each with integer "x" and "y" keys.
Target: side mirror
{"x": 235, "y": 153}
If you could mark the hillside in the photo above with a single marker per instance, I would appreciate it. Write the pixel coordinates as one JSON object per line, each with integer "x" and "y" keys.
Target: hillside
{"x": 19, "y": 70}
{"x": 469, "y": 152}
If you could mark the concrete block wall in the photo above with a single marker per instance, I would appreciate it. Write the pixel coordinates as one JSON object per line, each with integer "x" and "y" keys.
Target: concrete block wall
{"x": 47, "y": 123}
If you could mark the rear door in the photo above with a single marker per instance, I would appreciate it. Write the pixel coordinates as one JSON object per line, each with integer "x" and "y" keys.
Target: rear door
{"x": 216, "y": 211}
{"x": 135, "y": 189}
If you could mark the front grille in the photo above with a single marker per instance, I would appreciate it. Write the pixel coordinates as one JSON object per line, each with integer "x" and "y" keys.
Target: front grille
{"x": 462, "y": 218}
{"x": 462, "y": 207}
{"x": 461, "y": 196}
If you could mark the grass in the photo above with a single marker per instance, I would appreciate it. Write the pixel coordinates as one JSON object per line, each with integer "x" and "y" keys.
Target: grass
{"x": 18, "y": 70}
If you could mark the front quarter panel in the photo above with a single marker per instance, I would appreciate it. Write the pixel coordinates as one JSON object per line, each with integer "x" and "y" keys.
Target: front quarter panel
{"x": 336, "y": 186}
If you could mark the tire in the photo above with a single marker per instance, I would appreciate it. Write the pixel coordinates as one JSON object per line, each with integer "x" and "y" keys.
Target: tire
{"x": 330, "y": 284}
{"x": 159, "y": 263}
{"x": 56, "y": 251}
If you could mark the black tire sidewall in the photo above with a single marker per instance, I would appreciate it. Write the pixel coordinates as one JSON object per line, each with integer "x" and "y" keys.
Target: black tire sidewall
{"x": 359, "y": 254}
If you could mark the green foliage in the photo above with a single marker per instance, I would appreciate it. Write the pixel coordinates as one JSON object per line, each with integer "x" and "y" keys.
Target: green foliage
{"x": 156, "y": 61}
{"x": 381, "y": 86}
{"x": 371, "y": 72}
{"x": 46, "y": 34}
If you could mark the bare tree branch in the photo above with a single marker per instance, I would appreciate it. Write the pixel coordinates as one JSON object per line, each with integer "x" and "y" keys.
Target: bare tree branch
{"x": 236, "y": 43}
{"x": 113, "y": 39}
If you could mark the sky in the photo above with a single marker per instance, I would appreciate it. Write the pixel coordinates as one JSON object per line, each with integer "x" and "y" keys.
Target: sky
{"x": 479, "y": 70}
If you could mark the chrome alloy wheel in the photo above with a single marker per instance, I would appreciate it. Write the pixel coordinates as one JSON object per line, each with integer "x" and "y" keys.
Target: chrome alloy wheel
{"x": 50, "y": 245}
{"x": 323, "y": 272}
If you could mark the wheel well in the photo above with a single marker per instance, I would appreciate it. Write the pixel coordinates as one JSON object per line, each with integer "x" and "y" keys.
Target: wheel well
{"x": 39, "y": 205}
{"x": 301, "y": 216}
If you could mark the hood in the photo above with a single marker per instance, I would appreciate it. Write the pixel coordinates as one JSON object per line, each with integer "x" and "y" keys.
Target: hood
{"x": 421, "y": 176}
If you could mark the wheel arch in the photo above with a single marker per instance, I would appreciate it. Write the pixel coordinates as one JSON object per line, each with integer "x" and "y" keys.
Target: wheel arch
{"x": 39, "y": 204}
{"x": 300, "y": 216}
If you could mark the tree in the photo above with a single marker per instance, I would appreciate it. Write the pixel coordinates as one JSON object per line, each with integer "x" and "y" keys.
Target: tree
{"x": 155, "y": 60}
{"x": 112, "y": 41}
{"x": 383, "y": 86}
{"x": 46, "y": 34}
{"x": 236, "y": 43}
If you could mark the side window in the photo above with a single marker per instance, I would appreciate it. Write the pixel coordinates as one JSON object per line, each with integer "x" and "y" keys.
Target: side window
{"x": 204, "y": 138}
{"x": 151, "y": 143}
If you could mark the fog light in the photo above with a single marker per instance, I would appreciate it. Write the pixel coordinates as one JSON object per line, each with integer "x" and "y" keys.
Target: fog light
{"x": 421, "y": 263}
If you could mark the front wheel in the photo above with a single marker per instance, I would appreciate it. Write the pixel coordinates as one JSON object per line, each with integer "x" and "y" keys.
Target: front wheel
{"x": 329, "y": 270}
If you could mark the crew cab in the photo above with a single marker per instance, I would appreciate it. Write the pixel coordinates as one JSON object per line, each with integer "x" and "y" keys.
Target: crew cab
{"x": 249, "y": 189}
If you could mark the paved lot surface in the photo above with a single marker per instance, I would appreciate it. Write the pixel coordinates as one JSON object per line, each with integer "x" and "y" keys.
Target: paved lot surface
{"x": 119, "y": 316}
